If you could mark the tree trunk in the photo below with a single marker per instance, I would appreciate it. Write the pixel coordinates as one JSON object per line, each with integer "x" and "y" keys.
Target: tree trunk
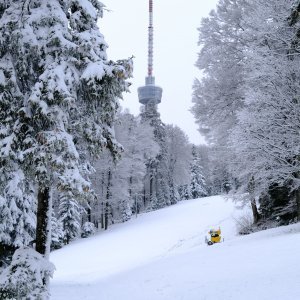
{"x": 130, "y": 184}
{"x": 144, "y": 195}
{"x": 150, "y": 187}
{"x": 42, "y": 229}
{"x": 102, "y": 200}
{"x": 43, "y": 225}
{"x": 108, "y": 195}
{"x": 298, "y": 204}
{"x": 102, "y": 215}
{"x": 294, "y": 17}
{"x": 89, "y": 213}
{"x": 256, "y": 215}
{"x": 106, "y": 216}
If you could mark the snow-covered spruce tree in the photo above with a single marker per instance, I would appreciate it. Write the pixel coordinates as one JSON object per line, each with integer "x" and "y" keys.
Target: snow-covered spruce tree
{"x": 17, "y": 199}
{"x": 24, "y": 277}
{"x": 69, "y": 215}
{"x": 198, "y": 185}
{"x": 87, "y": 229}
{"x": 17, "y": 211}
{"x": 185, "y": 192}
{"x": 57, "y": 233}
{"x": 63, "y": 92}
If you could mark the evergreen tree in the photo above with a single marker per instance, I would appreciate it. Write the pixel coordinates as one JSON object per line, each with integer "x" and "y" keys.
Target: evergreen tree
{"x": 88, "y": 229}
{"x": 17, "y": 211}
{"x": 57, "y": 232}
{"x": 58, "y": 98}
{"x": 25, "y": 277}
{"x": 198, "y": 184}
{"x": 185, "y": 192}
{"x": 69, "y": 216}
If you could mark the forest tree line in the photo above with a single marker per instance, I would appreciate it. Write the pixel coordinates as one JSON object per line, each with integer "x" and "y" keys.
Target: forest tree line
{"x": 247, "y": 103}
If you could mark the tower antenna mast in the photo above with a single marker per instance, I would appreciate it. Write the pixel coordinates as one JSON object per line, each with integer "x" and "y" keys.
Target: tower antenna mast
{"x": 150, "y": 94}
{"x": 150, "y": 39}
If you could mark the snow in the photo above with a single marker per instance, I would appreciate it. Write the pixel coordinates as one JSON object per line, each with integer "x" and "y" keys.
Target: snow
{"x": 162, "y": 255}
{"x": 25, "y": 275}
{"x": 2, "y": 78}
{"x": 6, "y": 145}
{"x": 94, "y": 70}
{"x": 88, "y": 8}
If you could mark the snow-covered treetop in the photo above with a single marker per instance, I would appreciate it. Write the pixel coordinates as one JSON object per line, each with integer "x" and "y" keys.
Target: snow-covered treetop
{"x": 65, "y": 90}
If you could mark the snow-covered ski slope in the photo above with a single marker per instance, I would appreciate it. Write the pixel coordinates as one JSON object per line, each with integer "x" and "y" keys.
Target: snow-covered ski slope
{"x": 162, "y": 256}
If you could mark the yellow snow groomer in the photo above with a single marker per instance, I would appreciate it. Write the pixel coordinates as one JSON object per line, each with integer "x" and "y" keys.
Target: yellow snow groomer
{"x": 215, "y": 236}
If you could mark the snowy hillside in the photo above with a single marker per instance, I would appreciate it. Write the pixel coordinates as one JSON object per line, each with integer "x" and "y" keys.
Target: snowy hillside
{"x": 162, "y": 256}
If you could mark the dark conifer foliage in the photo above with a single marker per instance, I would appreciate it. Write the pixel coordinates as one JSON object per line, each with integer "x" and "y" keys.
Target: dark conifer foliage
{"x": 58, "y": 98}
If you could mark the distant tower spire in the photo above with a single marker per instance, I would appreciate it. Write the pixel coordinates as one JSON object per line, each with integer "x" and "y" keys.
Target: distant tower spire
{"x": 150, "y": 94}
{"x": 150, "y": 39}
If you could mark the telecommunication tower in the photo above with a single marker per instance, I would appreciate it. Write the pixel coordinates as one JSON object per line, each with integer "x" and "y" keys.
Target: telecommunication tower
{"x": 150, "y": 94}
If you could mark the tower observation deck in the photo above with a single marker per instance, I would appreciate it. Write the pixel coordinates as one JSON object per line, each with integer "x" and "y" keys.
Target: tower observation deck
{"x": 150, "y": 94}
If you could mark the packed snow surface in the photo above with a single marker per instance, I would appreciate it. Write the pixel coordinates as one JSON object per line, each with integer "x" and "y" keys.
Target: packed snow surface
{"x": 162, "y": 256}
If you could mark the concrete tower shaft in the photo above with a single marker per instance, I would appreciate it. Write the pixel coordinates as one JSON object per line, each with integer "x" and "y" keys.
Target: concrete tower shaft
{"x": 150, "y": 93}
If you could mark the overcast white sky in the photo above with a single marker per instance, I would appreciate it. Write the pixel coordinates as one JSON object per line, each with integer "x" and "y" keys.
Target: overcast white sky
{"x": 125, "y": 27}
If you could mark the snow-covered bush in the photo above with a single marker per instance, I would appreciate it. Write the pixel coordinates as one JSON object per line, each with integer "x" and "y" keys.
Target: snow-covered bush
{"x": 88, "y": 229}
{"x": 26, "y": 276}
{"x": 57, "y": 233}
{"x": 244, "y": 224}
{"x": 185, "y": 192}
